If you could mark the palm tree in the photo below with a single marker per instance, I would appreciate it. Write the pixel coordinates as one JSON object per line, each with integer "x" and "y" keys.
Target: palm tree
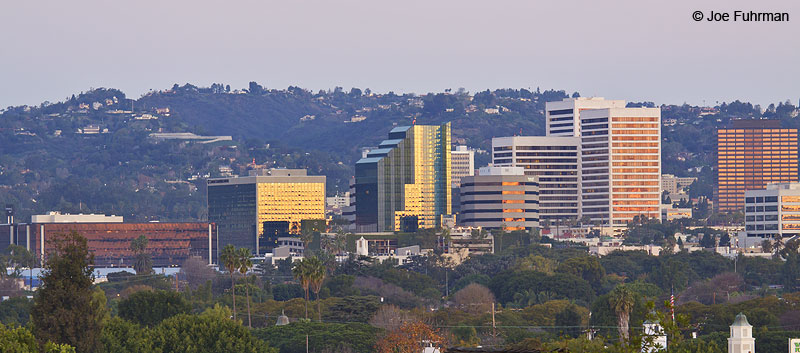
{"x": 230, "y": 260}
{"x": 300, "y": 270}
{"x": 622, "y": 300}
{"x": 245, "y": 265}
{"x": 316, "y": 271}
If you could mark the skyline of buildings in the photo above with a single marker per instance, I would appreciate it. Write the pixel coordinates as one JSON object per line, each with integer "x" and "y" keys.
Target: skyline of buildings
{"x": 600, "y": 163}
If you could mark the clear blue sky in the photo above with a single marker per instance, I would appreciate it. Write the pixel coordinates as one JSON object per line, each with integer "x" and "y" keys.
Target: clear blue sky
{"x": 633, "y": 50}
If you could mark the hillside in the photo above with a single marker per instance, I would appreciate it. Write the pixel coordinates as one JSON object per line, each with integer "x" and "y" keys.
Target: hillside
{"x": 92, "y": 153}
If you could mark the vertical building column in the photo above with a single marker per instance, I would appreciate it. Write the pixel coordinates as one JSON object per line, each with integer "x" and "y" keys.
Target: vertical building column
{"x": 209, "y": 243}
{"x": 28, "y": 237}
{"x": 41, "y": 233}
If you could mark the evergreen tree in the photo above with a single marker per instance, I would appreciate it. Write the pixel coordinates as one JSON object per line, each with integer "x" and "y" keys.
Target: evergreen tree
{"x": 64, "y": 311}
{"x": 143, "y": 264}
{"x": 791, "y": 272}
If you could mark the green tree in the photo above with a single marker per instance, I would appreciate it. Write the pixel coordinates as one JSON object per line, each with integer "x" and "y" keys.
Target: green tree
{"x": 151, "y": 307}
{"x": 302, "y": 272}
{"x": 317, "y": 272}
{"x": 322, "y": 337}
{"x": 622, "y": 300}
{"x": 791, "y": 272}
{"x": 15, "y": 311}
{"x": 210, "y": 332}
{"x": 64, "y": 310}
{"x": 245, "y": 265}
{"x": 230, "y": 260}
{"x": 568, "y": 321}
{"x": 122, "y": 336}
{"x": 143, "y": 265}
{"x": 21, "y": 340}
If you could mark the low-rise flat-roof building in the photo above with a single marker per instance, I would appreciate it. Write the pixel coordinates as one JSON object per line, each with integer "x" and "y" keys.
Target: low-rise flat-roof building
{"x": 58, "y": 217}
{"x": 500, "y": 198}
{"x": 169, "y": 244}
{"x": 672, "y": 184}
{"x": 669, "y": 213}
{"x": 773, "y": 211}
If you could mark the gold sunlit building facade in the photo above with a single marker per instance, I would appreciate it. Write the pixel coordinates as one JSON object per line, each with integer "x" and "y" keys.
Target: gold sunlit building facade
{"x": 620, "y": 165}
{"x": 405, "y": 183}
{"x": 750, "y": 155}
{"x": 280, "y": 199}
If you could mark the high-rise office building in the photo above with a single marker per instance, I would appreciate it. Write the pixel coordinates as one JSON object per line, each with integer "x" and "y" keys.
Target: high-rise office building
{"x": 500, "y": 198}
{"x": 241, "y": 206}
{"x": 463, "y": 164}
{"x": 405, "y": 183}
{"x": 750, "y": 155}
{"x": 563, "y": 117}
{"x": 555, "y": 160}
{"x": 620, "y": 164}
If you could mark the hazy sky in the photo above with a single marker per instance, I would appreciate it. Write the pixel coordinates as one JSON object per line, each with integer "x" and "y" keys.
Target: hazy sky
{"x": 634, "y": 50}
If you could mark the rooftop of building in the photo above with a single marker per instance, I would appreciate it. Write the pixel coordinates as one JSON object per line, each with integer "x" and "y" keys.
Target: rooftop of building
{"x": 58, "y": 217}
{"x": 486, "y": 171}
{"x": 783, "y": 186}
{"x": 756, "y": 124}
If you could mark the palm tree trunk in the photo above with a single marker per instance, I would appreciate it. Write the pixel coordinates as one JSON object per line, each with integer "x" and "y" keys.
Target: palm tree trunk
{"x": 233, "y": 293}
{"x": 623, "y": 327}
{"x": 247, "y": 290}
{"x": 306, "y": 303}
{"x": 319, "y": 308}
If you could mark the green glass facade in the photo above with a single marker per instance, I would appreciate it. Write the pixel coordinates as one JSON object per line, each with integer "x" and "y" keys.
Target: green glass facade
{"x": 407, "y": 177}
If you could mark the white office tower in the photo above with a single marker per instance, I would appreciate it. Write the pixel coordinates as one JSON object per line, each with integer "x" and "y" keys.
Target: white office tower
{"x": 741, "y": 340}
{"x": 620, "y": 165}
{"x": 555, "y": 160}
{"x": 462, "y": 161}
{"x": 563, "y": 117}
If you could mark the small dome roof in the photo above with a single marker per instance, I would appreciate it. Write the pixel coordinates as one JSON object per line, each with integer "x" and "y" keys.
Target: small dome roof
{"x": 282, "y": 320}
{"x": 741, "y": 320}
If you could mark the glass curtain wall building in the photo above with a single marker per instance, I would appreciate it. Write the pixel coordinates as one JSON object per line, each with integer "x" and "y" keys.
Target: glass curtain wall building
{"x": 241, "y": 206}
{"x": 406, "y": 181}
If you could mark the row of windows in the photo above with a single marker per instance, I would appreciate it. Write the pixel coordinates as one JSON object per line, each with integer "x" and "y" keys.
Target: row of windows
{"x": 761, "y": 199}
{"x": 547, "y": 154}
{"x": 624, "y": 157}
{"x": 500, "y": 210}
{"x": 475, "y": 220}
{"x": 634, "y": 132}
{"x": 486, "y": 202}
{"x": 635, "y": 126}
{"x": 634, "y": 144}
{"x": 762, "y": 227}
{"x": 634, "y": 138}
{"x": 768, "y": 218}
{"x": 741, "y": 131}
{"x": 633, "y": 119}
{"x": 764, "y": 209}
